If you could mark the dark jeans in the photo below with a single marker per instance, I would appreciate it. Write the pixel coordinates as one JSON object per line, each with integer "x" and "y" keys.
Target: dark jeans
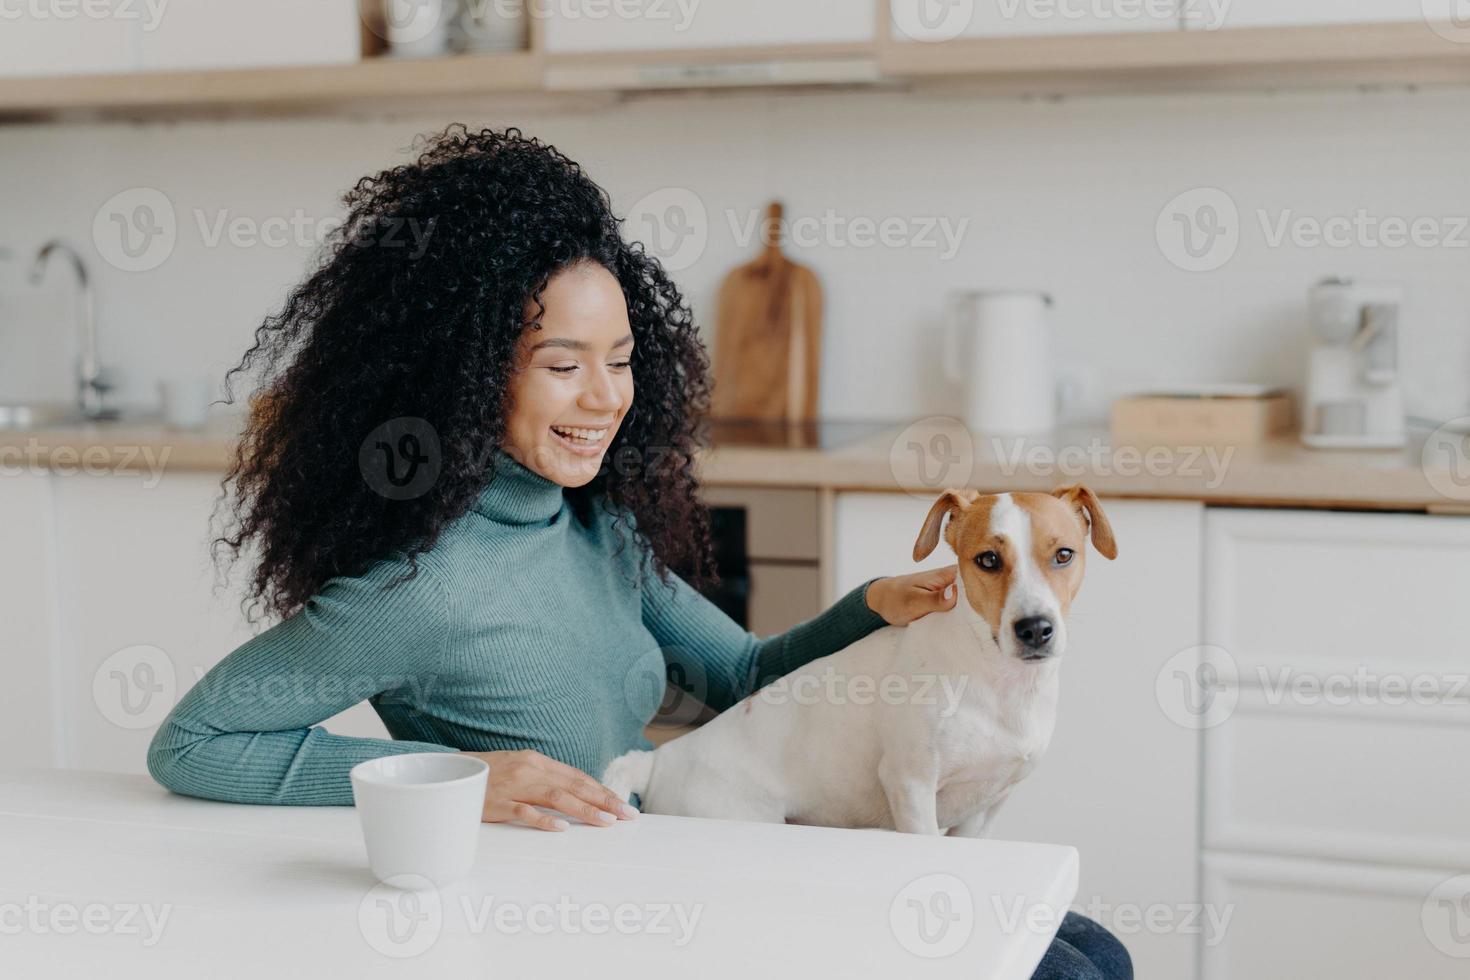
{"x": 1084, "y": 950}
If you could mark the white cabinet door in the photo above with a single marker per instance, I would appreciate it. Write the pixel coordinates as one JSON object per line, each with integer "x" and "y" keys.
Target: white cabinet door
{"x": 1120, "y": 781}
{"x": 201, "y": 34}
{"x": 140, "y": 619}
{"x": 580, "y": 26}
{"x": 1339, "y": 732}
{"x": 939, "y": 20}
{"x": 29, "y": 646}
{"x": 71, "y": 38}
{"x": 1212, "y": 14}
{"x": 62, "y": 39}
{"x": 1293, "y": 919}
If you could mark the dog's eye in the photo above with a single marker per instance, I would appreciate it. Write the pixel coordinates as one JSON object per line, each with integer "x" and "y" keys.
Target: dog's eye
{"x": 988, "y": 560}
{"x": 1064, "y": 556}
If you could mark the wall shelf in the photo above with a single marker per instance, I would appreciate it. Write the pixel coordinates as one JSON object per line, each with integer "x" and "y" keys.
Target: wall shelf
{"x": 373, "y": 81}
{"x": 1250, "y": 58}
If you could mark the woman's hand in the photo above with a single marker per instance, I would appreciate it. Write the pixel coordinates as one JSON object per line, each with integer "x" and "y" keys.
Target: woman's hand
{"x": 523, "y": 780}
{"x": 904, "y": 598}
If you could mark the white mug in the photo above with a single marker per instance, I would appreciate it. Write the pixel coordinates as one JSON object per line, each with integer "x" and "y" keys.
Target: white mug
{"x": 999, "y": 345}
{"x": 420, "y": 814}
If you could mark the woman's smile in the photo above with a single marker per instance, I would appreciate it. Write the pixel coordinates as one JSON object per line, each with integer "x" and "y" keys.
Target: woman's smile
{"x": 582, "y": 440}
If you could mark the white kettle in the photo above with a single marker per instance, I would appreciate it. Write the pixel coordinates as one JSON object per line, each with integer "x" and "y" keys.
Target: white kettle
{"x": 998, "y": 344}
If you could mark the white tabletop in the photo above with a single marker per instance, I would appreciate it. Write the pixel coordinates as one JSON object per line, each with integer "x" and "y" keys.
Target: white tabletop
{"x": 111, "y": 875}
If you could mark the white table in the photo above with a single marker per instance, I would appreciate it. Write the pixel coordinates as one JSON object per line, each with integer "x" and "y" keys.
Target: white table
{"x": 105, "y": 875}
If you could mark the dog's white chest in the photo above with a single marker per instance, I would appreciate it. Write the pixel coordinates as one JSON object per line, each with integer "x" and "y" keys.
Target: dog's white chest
{"x": 982, "y": 759}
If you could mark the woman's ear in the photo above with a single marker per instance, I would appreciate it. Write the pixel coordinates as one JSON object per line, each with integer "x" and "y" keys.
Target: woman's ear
{"x": 948, "y": 502}
{"x": 1085, "y": 503}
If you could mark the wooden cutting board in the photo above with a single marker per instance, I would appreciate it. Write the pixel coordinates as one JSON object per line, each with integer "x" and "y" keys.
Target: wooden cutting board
{"x": 768, "y": 337}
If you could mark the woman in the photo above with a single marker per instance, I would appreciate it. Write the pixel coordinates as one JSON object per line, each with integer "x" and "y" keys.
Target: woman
{"x": 465, "y": 511}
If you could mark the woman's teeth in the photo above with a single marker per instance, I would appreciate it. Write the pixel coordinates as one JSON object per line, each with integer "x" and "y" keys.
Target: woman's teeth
{"x": 588, "y": 436}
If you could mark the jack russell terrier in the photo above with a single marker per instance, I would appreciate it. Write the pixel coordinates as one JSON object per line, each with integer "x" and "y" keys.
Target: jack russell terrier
{"x": 879, "y": 750}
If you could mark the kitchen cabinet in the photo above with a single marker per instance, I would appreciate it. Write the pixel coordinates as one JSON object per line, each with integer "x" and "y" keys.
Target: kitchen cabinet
{"x": 1120, "y": 781}
{"x": 1282, "y": 13}
{"x": 87, "y": 38}
{"x": 1291, "y": 919}
{"x": 590, "y": 26}
{"x": 924, "y": 20}
{"x": 1336, "y": 785}
{"x": 200, "y": 34}
{"x": 42, "y": 39}
{"x": 29, "y": 647}
{"x": 119, "y": 614}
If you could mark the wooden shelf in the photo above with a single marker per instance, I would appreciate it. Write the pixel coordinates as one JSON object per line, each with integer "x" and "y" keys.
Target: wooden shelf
{"x": 371, "y": 81}
{"x": 1337, "y": 55}
{"x": 1251, "y": 58}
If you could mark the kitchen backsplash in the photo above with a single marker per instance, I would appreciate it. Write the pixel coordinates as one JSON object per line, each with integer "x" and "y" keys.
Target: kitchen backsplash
{"x": 1178, "y": 234}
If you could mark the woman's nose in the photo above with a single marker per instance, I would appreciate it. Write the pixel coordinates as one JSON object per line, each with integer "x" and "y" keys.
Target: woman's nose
{"x": 601, "y": 393}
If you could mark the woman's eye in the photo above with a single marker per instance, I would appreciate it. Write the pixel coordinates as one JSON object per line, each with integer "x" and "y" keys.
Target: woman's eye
{"x": 988, "y": 560}
{"x": 620, "y": 365}
{"x": 1064, "y": 557}
{"x": 563, "y": 370}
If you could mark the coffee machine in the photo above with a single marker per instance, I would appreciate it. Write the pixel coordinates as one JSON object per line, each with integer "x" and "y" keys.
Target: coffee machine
{"x": 1354, "y": 399}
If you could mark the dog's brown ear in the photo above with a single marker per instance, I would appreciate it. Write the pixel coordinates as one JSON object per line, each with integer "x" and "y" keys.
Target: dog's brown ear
{"x": 1085, "y": 503}
{"x": 929, "y": 533}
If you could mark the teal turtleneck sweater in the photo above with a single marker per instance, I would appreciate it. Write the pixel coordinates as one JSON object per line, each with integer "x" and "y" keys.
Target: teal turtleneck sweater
{"x": 523, "y": 629}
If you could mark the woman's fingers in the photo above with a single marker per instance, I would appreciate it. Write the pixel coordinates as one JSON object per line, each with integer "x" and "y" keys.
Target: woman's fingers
{"x": 921, "y": 593}
{"x": 590, "y": 791}
{"x": 566, "y": 800}
{"x": 510, "y": 811}
{"x": 940, "y": 578}
{"x": 524, "y": 780}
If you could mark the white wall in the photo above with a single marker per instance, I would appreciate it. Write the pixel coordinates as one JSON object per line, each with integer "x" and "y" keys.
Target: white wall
{"x": 1061, "y": 195}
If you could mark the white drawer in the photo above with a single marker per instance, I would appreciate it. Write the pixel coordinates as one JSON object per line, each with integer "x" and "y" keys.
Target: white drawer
{"x": 1332, "y": 592}
{"x": 1289, "y": 920}
{"x": 1370, "y": 782}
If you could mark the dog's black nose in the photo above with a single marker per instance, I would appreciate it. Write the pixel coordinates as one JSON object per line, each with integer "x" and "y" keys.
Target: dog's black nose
{"x": 1034, "y": 631}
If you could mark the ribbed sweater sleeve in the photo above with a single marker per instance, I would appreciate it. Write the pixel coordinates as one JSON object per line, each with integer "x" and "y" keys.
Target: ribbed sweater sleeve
{"x": 721, "y": 661}
{"x": 245, "y": 732}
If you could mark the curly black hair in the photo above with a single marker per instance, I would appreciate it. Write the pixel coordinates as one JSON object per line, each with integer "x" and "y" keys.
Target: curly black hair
{"x": 414, "y": 312}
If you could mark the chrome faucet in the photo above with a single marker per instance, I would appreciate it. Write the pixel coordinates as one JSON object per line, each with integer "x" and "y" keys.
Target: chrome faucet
{"x": 92, "y": 382}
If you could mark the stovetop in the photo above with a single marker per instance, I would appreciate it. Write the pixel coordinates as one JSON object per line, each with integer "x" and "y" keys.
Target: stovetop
{"x": 791, "y": 435}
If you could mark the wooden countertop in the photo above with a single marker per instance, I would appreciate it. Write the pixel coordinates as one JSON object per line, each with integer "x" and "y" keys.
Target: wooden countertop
{"x": 922, "y": 458}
